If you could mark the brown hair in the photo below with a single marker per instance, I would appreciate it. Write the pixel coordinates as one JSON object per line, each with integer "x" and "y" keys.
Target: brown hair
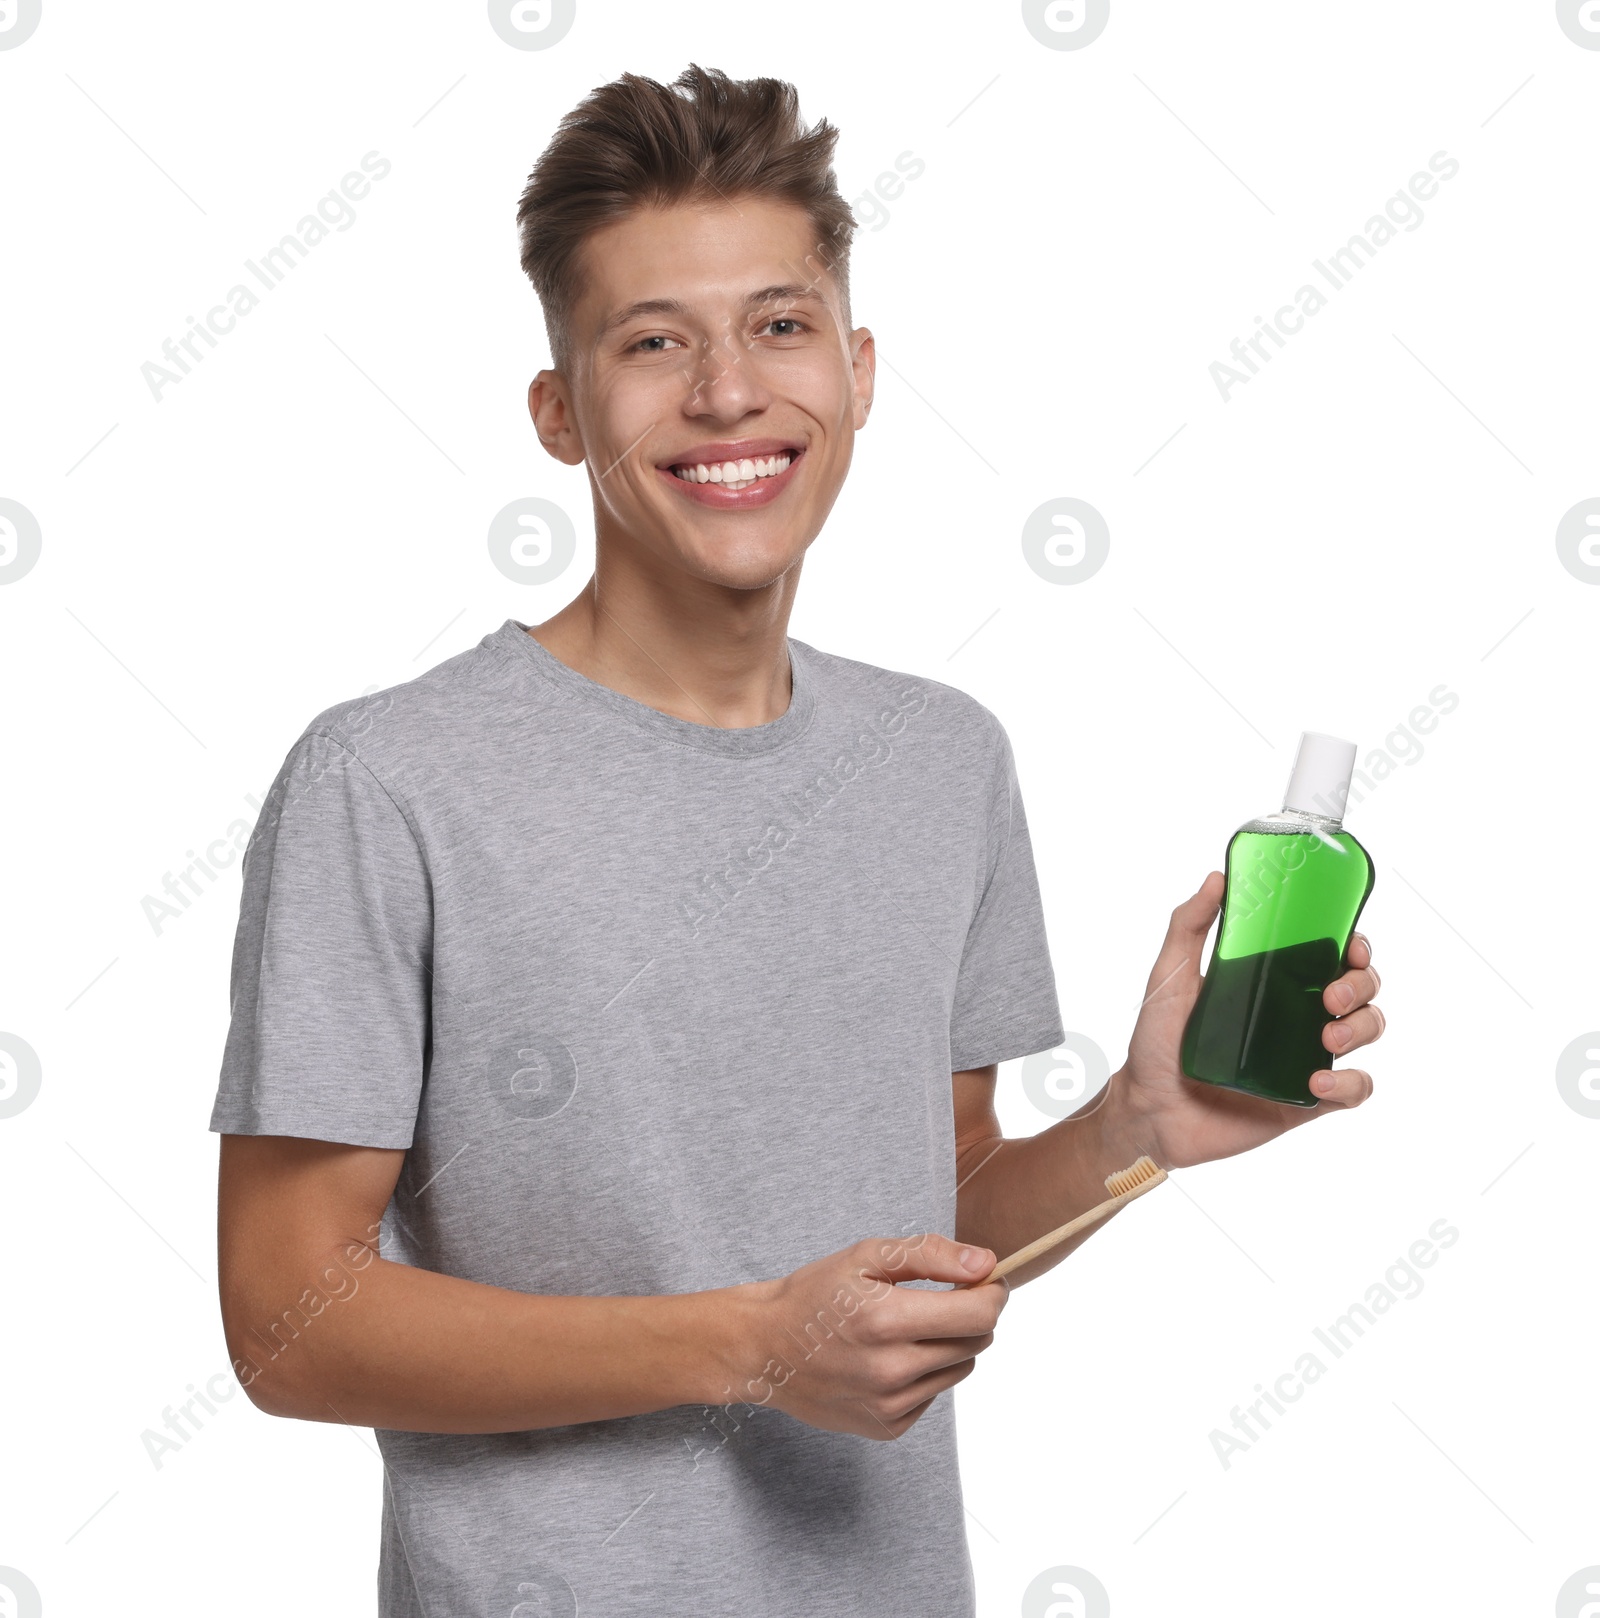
{"x": 636, "y": 142}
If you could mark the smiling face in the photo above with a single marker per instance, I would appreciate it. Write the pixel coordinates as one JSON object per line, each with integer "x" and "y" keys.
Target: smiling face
{"x": 714, "y": 391}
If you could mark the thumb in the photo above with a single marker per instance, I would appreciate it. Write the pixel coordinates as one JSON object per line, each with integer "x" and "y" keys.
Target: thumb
{"x": 1199, "y": 910}
{"x": 1186, "y": 934}
{"x": 928, "y": 1258}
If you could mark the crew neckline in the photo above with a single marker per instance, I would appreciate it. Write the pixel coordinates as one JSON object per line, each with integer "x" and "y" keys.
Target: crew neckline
{"x": 741, "y": 740}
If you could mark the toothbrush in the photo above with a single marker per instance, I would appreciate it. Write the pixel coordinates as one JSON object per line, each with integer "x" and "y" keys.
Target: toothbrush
{"x": 1124, "y": 1186}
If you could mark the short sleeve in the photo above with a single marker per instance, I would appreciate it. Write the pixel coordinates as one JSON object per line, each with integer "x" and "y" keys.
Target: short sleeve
{"x": 1005, "y": 1002}
{"x": 331, "y": 963}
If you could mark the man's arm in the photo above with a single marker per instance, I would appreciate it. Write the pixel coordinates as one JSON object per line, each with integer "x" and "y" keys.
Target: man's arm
{"x": 1009, "y": 1192}
{"x": 321, "y": 1327}
{"x": 337, "y": 1333}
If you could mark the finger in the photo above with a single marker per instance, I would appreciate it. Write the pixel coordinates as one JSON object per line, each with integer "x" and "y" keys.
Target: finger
{"x": 1360, "y": 951}
{"x": 1186, "y": 936}
{"x": 926, "y": 1317}
{"x": 1338, "y": 1089}
{"x": 885, "y": 1430}
{"x": 934, "y": 1353}
{"x": 918, "y": 1395}
{"x": 929, "y": 1257}
{"x": 1352, "y": 989}
{"x": 1359, "y": 1028}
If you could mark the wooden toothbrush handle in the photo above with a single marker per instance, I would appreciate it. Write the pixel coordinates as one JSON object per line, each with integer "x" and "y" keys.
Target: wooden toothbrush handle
{"x": 1026, "y": 1255}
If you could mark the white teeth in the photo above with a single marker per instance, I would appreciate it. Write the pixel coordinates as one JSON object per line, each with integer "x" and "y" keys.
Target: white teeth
{"x": 735, "y": 474}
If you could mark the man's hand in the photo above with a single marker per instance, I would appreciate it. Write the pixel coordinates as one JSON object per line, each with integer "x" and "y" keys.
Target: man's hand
{"x": 839, "y": 1346}
{"x": 1179, "y": 1121}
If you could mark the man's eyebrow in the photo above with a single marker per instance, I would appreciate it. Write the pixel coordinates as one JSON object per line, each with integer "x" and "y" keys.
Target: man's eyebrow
{"x": 646, "y": 306}
{"x": 786, "y": 292}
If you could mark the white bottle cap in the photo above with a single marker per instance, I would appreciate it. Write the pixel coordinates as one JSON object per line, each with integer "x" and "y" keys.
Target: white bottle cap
{"x": 1320, "y": 780}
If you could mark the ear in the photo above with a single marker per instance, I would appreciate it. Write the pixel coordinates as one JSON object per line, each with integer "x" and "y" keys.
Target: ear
{"x": 863, "y": 366}
{"x": 553, "y": 419}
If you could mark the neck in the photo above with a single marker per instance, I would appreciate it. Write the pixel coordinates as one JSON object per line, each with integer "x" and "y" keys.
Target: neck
{"x": 703, "y": 652}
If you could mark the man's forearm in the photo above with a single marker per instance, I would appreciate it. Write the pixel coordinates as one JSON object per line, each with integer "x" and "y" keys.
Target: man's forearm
{"x": 379, "y": 1344}
{"x": 1010, "y": 1192}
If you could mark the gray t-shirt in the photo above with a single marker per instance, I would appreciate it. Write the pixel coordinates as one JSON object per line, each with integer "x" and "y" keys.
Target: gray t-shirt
{"x": 654, "y": 1007}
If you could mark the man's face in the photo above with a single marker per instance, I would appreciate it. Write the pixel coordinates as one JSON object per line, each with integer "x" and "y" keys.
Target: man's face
{"x": 714, "y": 394}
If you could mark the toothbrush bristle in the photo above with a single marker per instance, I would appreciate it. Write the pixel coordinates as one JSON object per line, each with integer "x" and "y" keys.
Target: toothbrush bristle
{"x": 1129, "y": 1178}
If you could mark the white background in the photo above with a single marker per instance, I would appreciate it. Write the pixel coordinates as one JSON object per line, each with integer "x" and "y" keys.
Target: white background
{"x": 1371, "y": 517}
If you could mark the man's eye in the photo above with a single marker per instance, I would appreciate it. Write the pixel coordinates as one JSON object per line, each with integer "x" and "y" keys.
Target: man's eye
{"x": 796, "y": 327}
{"x": 643, "y": 345}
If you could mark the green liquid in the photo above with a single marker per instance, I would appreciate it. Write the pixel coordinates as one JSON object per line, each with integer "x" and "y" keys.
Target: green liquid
{"x": 1291, "y": 903}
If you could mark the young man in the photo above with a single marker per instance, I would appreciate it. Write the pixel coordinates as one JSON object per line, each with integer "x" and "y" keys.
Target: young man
{"x": 616, "y": 1008}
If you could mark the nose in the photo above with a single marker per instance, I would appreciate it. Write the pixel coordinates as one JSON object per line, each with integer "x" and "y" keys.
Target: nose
{"x": 723, "y": 379}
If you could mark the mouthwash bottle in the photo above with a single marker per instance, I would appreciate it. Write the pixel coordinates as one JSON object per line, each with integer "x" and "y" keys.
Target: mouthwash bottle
{"x": 1296, "y": 884}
